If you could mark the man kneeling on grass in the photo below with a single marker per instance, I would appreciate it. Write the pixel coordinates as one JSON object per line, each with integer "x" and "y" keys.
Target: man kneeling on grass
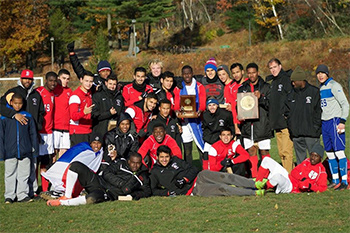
{"x": 172, "y": 176}
{"x": 121, "y": 178}
{"x": 309, "y": 176}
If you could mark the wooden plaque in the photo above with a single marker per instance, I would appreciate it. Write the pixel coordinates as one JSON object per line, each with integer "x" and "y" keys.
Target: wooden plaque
{"x": 247, "y": 106}
{"x": 188, "y": 106}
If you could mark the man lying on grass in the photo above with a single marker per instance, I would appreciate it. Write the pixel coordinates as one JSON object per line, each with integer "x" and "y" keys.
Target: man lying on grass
{"x": 121, "y": 178}
{"x": 172, "y": 176}
{"x": 309, "y": 176}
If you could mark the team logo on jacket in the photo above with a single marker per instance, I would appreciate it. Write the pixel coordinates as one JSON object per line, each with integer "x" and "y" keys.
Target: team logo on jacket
{"x": 175, "y": 166}
{"x": 221, "y": 122}
{"x": 118, "y": 102}
{"x": 103, "y": 99}
{"x": 172, "y": 128}
{"x": 35, "y": 101}
{"x": 308, "y": 99}
{"x": 280, "y": 86}
{"x": 313, "y": 175}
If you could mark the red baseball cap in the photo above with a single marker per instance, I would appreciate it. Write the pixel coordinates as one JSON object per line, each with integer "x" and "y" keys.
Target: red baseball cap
{"x": 27, "y": 74}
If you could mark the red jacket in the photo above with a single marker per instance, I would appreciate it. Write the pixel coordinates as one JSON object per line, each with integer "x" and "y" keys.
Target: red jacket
{"x": 218, "y": 152}
{"x": 306, "y": 175}
{"x": 48, "y": 101}
{"x": 61, "y": 110}
{"x": 79, "y": 122}
{"x": 230, "y": 94}
{"x": 140, "y": 118}
{"x": 131, "y": 95}
{"x": 202, "y": 97}
{"x": 151, "y": 145}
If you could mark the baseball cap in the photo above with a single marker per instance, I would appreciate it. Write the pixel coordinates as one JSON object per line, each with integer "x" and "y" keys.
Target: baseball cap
{"x": 27, "y": 74}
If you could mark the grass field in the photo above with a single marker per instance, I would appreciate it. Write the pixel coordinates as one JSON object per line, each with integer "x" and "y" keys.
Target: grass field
{"x": 307, "y": 212}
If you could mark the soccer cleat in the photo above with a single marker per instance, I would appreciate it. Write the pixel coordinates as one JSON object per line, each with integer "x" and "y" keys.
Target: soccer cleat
{"x": 260, "y": 192}
{"x": 336, "y": 186}
{"x": 26, "y": 199}
{"x": 55, "y": 202}
{"x": 332, "y": 185}
{"x": 8, "y": 201}
{"x": 261, "y": 184}
{"x": 341, "y": 187}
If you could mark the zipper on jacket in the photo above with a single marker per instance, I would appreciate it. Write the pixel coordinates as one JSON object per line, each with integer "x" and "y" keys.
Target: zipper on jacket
{"x": 18, "y": 150}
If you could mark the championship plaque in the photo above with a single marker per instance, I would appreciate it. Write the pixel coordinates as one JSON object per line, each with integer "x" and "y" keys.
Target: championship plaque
{"x": 187, "y": 106}
{"x": 247, "y": 106}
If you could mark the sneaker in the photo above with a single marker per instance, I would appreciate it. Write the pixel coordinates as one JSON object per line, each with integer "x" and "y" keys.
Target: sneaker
{"x": 26, "y": 199}
{"x": 260, "y": 192}
{"x": 341, "y": 187}
{"x": 55, "y": 202}
{"x": 8, "y": 201}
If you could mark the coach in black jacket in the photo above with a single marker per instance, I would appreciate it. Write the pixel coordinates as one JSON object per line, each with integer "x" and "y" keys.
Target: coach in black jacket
{"x": 109, "y": 103}
{"x": 304, "y": 114}
{"x": 280, "y": 88}
{"x": 171, "y": 176}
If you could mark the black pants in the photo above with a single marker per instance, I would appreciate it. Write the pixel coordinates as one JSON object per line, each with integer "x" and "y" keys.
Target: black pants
{"x": 91, "y": 182}
{"x": 78, "y": 138}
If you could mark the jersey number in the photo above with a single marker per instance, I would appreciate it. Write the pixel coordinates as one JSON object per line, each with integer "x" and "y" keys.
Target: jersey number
{"x": 323, "y": 103}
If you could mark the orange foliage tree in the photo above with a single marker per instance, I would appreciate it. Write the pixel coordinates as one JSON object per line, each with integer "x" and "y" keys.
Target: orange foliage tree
{"x": 23, "y": 26}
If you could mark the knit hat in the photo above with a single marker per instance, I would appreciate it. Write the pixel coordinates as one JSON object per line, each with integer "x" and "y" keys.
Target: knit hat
{"x": 318, "y": 149}
{"x": 298, "y": 74}
{"x": 225, "y": 67}
{"x": 212, "y": 101}
{"x": 27, "y": 74}
{"x": 211, "y": 63}
{"x": 96, "y": 137}
{"x": 322, "y": 68}
{"x": 103, "y": 65}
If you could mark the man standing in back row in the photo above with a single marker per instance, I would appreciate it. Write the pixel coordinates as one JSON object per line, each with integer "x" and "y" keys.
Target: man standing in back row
{"x": 280, "y": 87}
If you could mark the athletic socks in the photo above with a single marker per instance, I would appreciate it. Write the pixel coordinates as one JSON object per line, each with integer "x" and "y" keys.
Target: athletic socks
{"x": 343, "y": 166}
{"x": 269, "y": 185}
{"x": 72, "y": 178}
{"x": 44, "y": 182}
{"x": 333, "y": 166}
{"x": 254, "y": 165}
{"x": 81, "y": 200}
{"x": 262, "y": 173}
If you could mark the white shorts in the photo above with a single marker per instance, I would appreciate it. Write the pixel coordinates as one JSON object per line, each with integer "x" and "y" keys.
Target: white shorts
{"x": 263, "y": 145}
{"x": 186, "y": 133}
{"x": 46, "y": 145}
{"x": 61, "y": 139}
{"x": 278, "y": 176}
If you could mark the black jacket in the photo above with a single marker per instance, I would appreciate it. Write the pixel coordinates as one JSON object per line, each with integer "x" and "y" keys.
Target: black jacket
{"x": 280, "y": 87}
{"x": 261, "y": 127}
{"x": 121, "y": 181}
{"x": 33, "y": 104}
{"x": 163, "y": 179}
{"x": 101, "y": 115}
{"x": 213, "y": 123}
{"x": 171, "y": 127}
{"x": 304, "y": 112}
{"x": 124, "y": 143}
{"x": 154, "y": 82}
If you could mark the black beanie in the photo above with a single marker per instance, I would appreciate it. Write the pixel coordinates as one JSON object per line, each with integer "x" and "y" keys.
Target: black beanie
{"x": 96, "y": 137}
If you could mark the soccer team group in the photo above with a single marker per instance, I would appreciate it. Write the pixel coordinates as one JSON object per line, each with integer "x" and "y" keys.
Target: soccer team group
{"x": 145, "y": 142}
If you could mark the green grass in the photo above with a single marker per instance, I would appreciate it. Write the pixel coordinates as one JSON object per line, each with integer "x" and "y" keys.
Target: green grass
{"x": 313, "y": 212}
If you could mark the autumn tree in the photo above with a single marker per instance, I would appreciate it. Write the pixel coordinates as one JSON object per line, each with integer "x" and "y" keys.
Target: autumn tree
{"x": 23, "y": 28}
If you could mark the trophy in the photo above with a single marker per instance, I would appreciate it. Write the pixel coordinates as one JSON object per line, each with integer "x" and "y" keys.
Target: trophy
{"x": 247, "y": 106}
{"x": 188, "y": 106}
